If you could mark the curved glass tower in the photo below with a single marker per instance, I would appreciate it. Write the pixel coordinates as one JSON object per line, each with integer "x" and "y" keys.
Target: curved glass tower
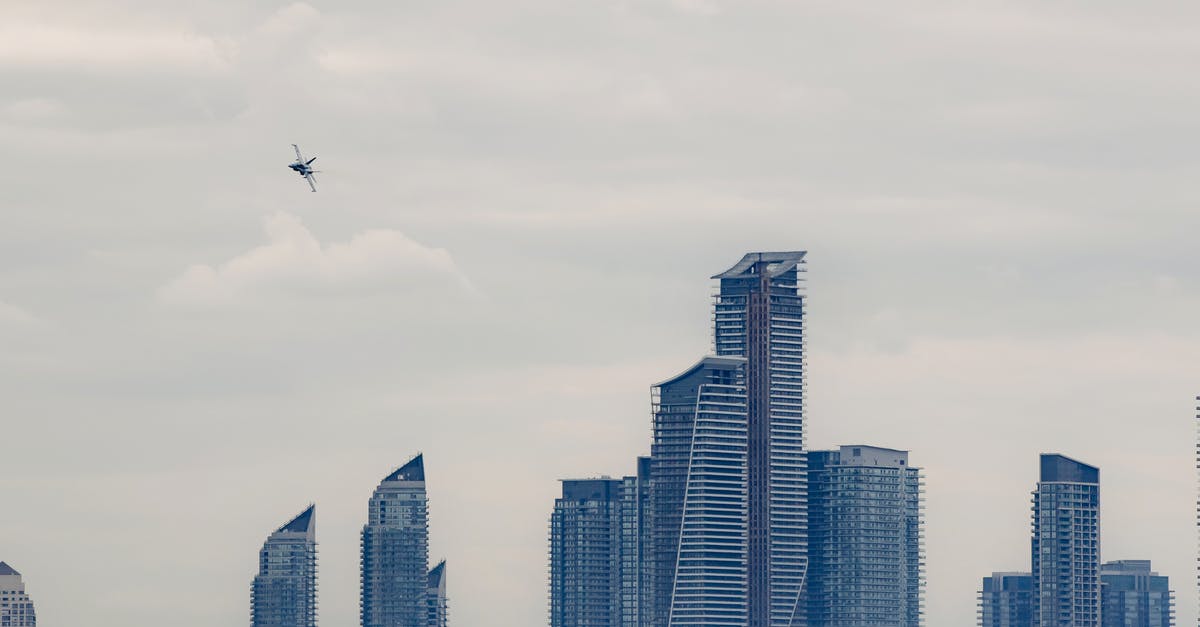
{"x": 284, "y": 593}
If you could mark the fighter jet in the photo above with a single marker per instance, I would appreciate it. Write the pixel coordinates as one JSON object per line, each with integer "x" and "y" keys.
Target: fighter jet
{"x": 303, "y": 168}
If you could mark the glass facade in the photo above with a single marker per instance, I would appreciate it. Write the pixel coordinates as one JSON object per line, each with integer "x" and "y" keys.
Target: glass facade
{"x": 720, "y": 527}
{"x": 1132, "y": 595}
{"x": 284, "y": 593}
{"x": 865, "y": 542}
{"x": 597, "y": 542}
{"x": 1006, "y": 600}
{"x": 395, "y": 551}
{"x": 759, "y": 315}
{"x": 1066, "y": 544}
{"x": 435, "y": 597}
{"x": 16, "y": 609}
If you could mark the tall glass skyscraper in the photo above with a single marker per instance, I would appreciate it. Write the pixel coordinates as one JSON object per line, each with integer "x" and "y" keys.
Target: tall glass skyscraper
{"x": 1132, "y": 594}
{"x": 759, "y": 315}
{"x": 284, "y": 593}
{"x": 1066, "y": 544}
{"x": 395, "y": 551}
{"x": 16, "y": 609}
{"x": 728, "y": 475}
{"x": 1006, "y": 600}
{"x": 679, "y": 415}
{"x": 865, "y": 543}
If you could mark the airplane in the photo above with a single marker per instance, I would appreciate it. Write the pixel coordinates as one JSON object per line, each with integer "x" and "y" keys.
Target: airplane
{"x": 303, "y": 168}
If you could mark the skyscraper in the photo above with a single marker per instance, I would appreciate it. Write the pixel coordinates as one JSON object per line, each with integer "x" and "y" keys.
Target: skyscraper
{"x": 395, "y": 550}
{"x": 16, "y": 609}
{"x": 759, "y": 315}
{"x": 636, "y": 544}
{"x": 284, "y": 593}
{"x": 678, "y": 415}
{"x": 865, "y": 543}
{"x": 1066, "y": 544}
{"x": 1132, "y": 595}
{"x": 728, "y": 477}
{"x": 599, "y": 540}
{"x": 1006, "y": 600}
{"x": 585, "y": 554}
{"x": 435, "y": 596}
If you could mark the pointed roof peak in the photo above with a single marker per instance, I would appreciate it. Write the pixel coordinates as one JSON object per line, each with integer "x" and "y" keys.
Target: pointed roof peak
{"x": 437, "y": 575}
{"x": 303, "y": 523}
{"x": 414, "y": 470}
{"x": 5, "y": 569}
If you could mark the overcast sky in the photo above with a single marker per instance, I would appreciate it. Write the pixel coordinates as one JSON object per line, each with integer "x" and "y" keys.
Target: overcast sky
{"x": 520, "y": 206}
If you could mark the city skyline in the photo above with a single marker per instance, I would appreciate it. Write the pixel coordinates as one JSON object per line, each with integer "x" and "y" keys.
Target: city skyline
{"x": 998, "y": 201}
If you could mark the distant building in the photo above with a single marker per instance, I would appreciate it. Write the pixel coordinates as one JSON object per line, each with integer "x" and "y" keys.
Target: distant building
{"x": 16, "y": 609}
{"x": 1006, "y": 600}
{"x": 284, "y": 593}
{"x": 1134, "y": 596}
{"x": 585, "y": 554}
{"x": 709, "y": 396}
{"x": 1066, "y": 544}
{"x": 865, "y": 540}
{"x": 395, "y": 551}
{"x": 637, "y": 581}
{"x": 600, "y": 574}
{"x": 435, "y": 596}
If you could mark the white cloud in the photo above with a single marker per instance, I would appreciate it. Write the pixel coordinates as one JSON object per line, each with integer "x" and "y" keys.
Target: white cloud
{"x": 57, "y": 45}
{"x": 293, "y": 259}
{"x": 11, "y": 315}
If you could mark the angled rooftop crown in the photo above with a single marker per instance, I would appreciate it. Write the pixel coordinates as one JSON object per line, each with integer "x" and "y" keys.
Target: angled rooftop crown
{"x": 772, "y": 264}
{"x": 437, "y": 575}
{"x": 5, "y": 569}
{"x": 303, "y": 523}
{"x": 1060, "y": 468}
{"x": 414, "y": 470}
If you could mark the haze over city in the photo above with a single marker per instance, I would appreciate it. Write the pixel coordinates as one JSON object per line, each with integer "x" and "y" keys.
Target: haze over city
{"x": 519, "y": 210}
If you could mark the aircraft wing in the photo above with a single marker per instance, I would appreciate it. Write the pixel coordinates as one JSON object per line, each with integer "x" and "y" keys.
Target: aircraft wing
{"x": 299, "y": 157}
{"x": 312, "y": 181}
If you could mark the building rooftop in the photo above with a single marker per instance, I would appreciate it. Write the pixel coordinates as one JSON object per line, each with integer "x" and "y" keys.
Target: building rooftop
{"x": 711, "y": 361}
{"x": 414, "y": 470}
{"x": 1062, "y": 469}
{"x": 437, "y": 575}
{"x": 303, "y": 523}
{"x": 777, "y": 263}
{"x": 5, "y": 569}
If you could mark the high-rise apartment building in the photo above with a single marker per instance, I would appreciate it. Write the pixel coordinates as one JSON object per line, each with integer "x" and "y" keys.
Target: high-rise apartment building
{"x": 636, "y": 548}
{"x": 1132, "y": 595}
{"x": 708, "y": 399}
{"x": 435, "y": 596}
{"x": 865, "y": 538}
{"x": 759, "y": 315}
{"x": 395, "y": 551}
{"x": 585, "y": 554}
{"x": 1066, "y": 544}
{"x": 284, "y": 593}
{"x": 598, "y": 534}
{"x": 16, "y": 609}
{"x": 728, "y": 487}
{"x": 1006, "y": 600}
